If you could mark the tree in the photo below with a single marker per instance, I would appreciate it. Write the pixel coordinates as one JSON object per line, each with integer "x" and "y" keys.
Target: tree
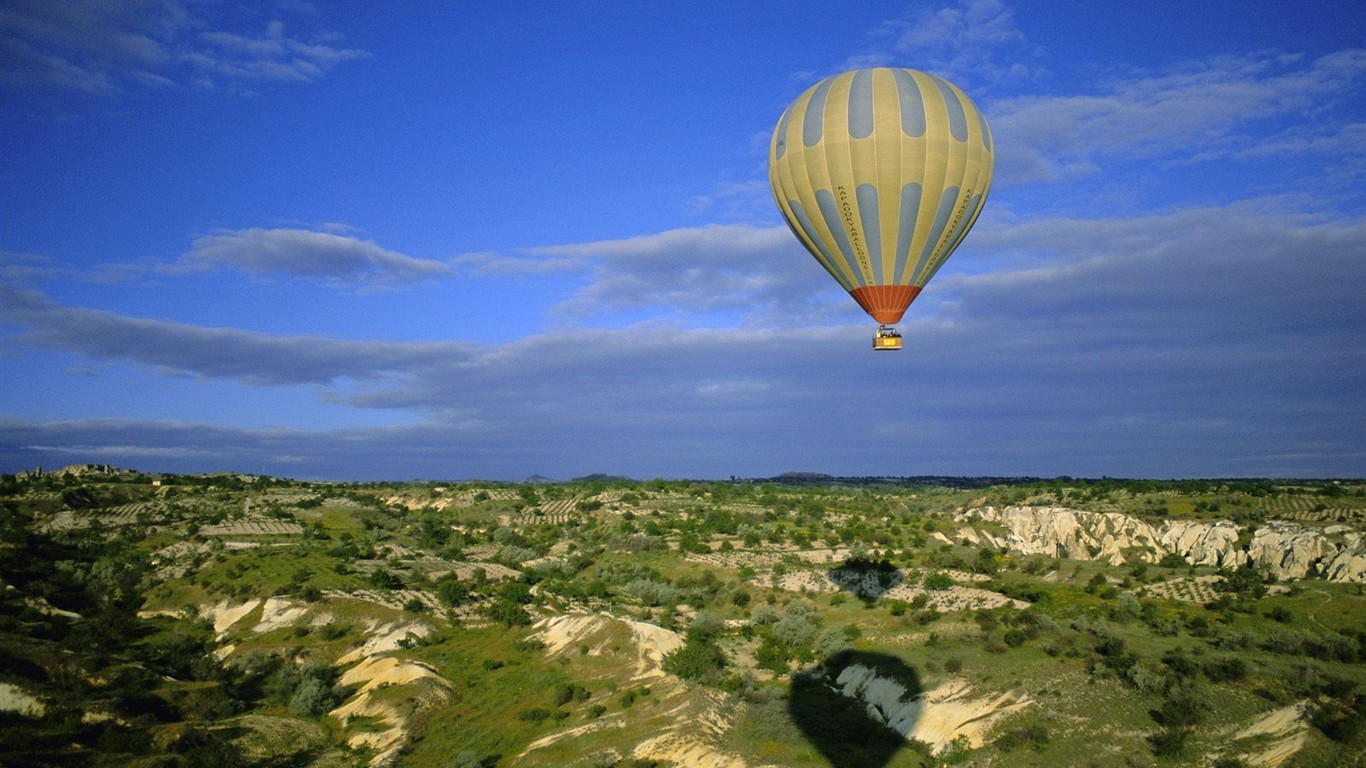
{"x": 451, "y": 591}
{"x": 795, "y": 629}
{"x": 516, "y": 591}
{"x": 1169, "y": 742}
{"x": 315, "y": 694}
{"x": 1247, "y": 582}
{"x": 507, "y": 613}
{"x": 830, "y": 641}
{"x": 938, "y": 580}
{"x": 707, "y": 626}
{"x": 1172, "y": 560}
{"x": 699, "y": 660}
{"x": 385, "y": 579}
{"x": 772, "y": 656}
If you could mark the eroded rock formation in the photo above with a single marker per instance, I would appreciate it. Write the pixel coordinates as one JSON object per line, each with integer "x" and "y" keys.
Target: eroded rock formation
{"x": 1286, "y": 550}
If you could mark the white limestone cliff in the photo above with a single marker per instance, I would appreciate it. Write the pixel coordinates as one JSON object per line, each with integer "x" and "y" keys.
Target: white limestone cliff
{"x": 1285, "y": 549}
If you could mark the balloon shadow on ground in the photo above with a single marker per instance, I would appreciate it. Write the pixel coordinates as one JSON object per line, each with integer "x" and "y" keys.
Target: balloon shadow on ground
{"x": 846, "y": 728}
{"x": 865, "y": 578}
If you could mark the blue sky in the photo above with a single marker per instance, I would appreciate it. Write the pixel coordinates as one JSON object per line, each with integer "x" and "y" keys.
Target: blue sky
{"x": 492, "y": 240}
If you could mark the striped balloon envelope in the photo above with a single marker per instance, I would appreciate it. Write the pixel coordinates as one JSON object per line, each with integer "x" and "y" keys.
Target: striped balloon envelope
{"x": 881, "y": 173}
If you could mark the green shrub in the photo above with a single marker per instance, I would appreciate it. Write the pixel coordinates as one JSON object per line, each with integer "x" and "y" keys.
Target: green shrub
{"x": 534, "y": 715}
{"x": 1225, "y": 669}
{"x": 699, "y": 660}
{"x": 451, "y": 591}
{"x": 1172, "y": 560}
{"x": 1033, "y": 735}
{"x": 507, "y": 613}
{"x": 384, "y": 579}
{"x": 1182, "y": 708}
{"x": 1169, "y": 742}
{"x": 563, "y": 693}
{"x": 938, "y": 581}
{"x": 516, "y": 591}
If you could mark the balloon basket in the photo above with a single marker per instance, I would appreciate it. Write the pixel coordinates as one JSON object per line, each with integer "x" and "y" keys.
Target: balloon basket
{"x": 886, "y": 338}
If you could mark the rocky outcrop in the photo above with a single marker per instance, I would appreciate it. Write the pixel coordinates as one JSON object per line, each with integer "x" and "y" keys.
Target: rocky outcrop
{"x": 1284, "y": 549}
{"x": 70, "y": 470}
{"x": 1213, "y": 544}
{"x": 1290, "y": 549}
{"x": 1349, "y": 564}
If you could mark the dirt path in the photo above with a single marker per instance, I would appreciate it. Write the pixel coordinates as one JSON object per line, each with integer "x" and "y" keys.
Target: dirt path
{"x": 1314, "y": 614}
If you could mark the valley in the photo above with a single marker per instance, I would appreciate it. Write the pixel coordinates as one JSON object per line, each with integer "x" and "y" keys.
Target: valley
{"x": 163, "y": 620}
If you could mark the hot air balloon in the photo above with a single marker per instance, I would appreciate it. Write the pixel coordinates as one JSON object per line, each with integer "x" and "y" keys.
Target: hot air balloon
{"x": 881, "y": 173}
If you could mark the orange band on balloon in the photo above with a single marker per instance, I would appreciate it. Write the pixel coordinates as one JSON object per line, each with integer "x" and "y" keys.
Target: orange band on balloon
{"x": 886, "y": 303}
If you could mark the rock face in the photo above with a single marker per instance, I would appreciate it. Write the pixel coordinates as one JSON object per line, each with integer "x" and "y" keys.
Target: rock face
{"x": 1284, "y": 549}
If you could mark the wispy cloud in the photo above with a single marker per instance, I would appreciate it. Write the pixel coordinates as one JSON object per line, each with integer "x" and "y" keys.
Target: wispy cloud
{"x": 975, "y": 43}
{"x": 1204, "y": 110}
{"x": 101, "y": 47}
{"x": 1262, "y": 105}
{"x": 225, "y": 353}
{"x": 760, "y": 274}
{"x": 495, "y": 264}
{"x": 23, "y": 268}
{"x": 738, "y": 201}
{"x": 754, "y": 275}
{"x": 272, "y": 56}
{"x": 336, "y": 259}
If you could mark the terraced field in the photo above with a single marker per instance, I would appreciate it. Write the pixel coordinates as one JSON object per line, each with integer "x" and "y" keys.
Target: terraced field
{"x": 1312, "y": 510}
{"x": 1189, "y": 589}
{"x": 258, "y": 526}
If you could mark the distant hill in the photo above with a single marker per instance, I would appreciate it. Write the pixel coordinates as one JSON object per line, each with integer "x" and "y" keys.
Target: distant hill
{"x": 944, "y": 481}
{"x": 599, "y": 477}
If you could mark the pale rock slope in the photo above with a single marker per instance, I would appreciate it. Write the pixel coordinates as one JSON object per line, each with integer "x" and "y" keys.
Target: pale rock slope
{"x": 1285, "y": 549}
{"x": 390, "y": 690}
{"x": 1275, "y": 737}
{"x": 696, "y": 718}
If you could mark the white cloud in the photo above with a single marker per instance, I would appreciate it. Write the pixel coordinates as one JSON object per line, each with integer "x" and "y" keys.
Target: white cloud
{"x": 22, "y": 268}
{"x": 338, "y": 259}
{"x": 272, "y": 56}
{"x": 492, "y": 264}
{"x": 737, "y": 201}
{"x": 974, "y": 43}
{"x": 1202, "y": 110}
{"x": 760, "y": 275}
{"x": 223, "y": 353}
{"x": 101, "y": 47}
